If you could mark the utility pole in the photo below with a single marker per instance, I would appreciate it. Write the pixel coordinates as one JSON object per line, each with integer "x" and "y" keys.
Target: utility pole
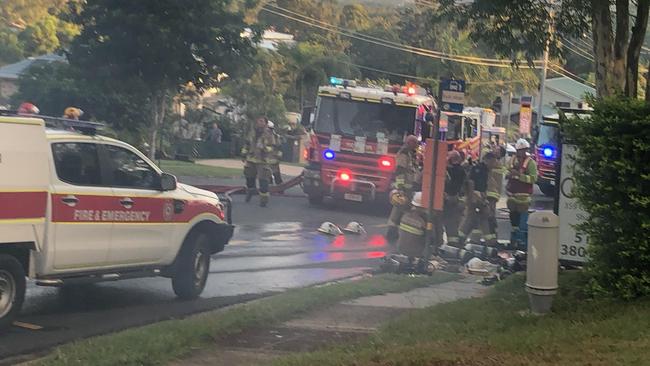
{"x": 540, "y": 115}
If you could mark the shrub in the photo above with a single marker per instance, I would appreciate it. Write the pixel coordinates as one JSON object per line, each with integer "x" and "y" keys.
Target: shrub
{"x": 613, "y": 186}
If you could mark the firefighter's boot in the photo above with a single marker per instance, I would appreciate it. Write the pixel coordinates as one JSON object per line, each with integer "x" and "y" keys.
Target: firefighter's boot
{"x": 264, "y": 199}
{"x": 250, "y": 192}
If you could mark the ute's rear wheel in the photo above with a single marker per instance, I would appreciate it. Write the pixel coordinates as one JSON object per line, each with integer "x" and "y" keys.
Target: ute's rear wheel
{"x": 12, "y": 289}
{"x": 192, "y": 267}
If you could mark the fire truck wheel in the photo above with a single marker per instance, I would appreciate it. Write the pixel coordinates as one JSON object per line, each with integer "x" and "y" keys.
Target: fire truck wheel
{"x": 192, "y": 267}
{"x": 12, "y": 289}
{"x": 315, "y": 199}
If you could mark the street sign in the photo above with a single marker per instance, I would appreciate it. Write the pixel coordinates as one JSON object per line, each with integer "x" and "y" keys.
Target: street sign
{"x": 525, "y": 115}
{"x": 573, "y": 243}
{"x": 452, "y": 95}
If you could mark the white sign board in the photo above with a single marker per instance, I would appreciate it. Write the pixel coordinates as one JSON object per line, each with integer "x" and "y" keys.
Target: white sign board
{"x": 573, "y": 244}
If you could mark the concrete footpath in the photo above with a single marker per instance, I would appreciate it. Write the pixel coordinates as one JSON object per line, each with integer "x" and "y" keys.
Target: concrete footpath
{"x": 344, "y": 323}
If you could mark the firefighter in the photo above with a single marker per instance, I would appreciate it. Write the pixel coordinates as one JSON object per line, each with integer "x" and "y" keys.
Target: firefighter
{"x": 275, "y": 156}
{"x": 476, "y": 222}
{"x": 407, "y": 180}
{"x": 454, "y": 202}
{"x": 256, "y": 152}
{"x": 493, "y": 191}
{"x": 522, "y": 174}
{"x": 412, "y": 229}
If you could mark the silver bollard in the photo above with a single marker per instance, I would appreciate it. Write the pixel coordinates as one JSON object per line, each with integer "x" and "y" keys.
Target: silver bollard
{"x": 542, "y": 260}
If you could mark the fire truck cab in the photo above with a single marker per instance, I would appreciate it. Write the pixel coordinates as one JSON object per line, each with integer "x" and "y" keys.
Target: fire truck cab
{"x": 466, "y": 130}
{"x": 355, "y": 135}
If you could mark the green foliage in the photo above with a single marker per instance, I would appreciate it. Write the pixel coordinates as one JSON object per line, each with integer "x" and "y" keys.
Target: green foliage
{"x": 153, "y": 48}
{"x": 613, "y": 186}
{"x": 10, "y": 48}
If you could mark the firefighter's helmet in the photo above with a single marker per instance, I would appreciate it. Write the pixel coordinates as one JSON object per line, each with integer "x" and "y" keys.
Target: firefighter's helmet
{"x": 417, "y": 200}
{"x": 522, "y": 144}
{"x": 454, "y": 157}
{"x": 354, "y": 228}
{"x": 271, "y": 125}
{"x": 28, "y": 108}
{"x": 329, "y": 229}
{"x": 398, "y": 198}
{"x": 72, "y": 113}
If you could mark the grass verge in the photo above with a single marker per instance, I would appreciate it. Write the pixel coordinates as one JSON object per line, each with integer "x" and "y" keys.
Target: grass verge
{"x": 186, "y": 169}
{"x": 496, "y": 330}
{"x": 162, "y": 342}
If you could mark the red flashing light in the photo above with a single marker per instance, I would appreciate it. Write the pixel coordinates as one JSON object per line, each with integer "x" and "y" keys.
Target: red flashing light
{"x": 410, "y": 90}
{"x": 344, "y": 175}
{"x": 386, "y": 162}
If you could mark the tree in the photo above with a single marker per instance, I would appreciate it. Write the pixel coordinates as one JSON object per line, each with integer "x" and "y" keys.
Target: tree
{"x": 157, "y": 46}
{"x": 355, "y": 17}
{"x": 523, "y": 28}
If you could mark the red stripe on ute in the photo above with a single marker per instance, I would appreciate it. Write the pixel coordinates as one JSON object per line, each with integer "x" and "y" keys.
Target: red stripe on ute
{"x": 22, "y": 205}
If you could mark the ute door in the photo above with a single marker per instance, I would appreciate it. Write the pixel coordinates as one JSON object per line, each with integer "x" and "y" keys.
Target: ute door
{"x": 79, "y": 196}
{"x": 142, "y": 214}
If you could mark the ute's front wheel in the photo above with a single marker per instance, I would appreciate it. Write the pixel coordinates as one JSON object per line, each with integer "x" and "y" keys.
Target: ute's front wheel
{"x": 192, "y": 267}
{"x": 12, "y": 289}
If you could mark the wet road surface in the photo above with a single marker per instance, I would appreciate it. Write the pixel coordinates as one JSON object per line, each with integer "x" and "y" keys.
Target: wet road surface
{"x": 273, "y": 249}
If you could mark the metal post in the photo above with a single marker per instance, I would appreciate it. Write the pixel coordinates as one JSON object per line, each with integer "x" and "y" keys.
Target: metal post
{"x": 509, "y": 113}
{"x": 540, "y": 115}
{"x": 430, "y": 235}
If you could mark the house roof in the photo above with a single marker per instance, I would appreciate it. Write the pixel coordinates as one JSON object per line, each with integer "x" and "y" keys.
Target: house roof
{"x": 13, "y": 71}
{"x": 569, "y": 87}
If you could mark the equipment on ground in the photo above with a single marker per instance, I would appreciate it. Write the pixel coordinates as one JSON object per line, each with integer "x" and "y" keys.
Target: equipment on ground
{"x": 330, "y": 229}
{"x": 354, "y": 228}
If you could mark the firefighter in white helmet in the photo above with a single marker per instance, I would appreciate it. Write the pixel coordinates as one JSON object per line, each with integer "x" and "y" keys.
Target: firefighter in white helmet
{"x": 412, "y": 229}
{"x": 275, "y": 156}
{"x": 522, "y": 174}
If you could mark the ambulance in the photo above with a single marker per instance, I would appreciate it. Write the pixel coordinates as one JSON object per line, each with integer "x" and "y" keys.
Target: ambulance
{"x": 355, "y": 133}
{"x": 76, "y": 207}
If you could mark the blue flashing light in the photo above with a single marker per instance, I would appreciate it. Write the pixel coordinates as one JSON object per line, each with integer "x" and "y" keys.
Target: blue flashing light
{"x": 548, "y": 152}
{"x": 336, "y": 81}
{"x": 329, "y": 154}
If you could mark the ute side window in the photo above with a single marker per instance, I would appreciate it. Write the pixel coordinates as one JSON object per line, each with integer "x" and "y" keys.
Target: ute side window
{"x": 77, "y": 163}
{"x": 128, "y": 170}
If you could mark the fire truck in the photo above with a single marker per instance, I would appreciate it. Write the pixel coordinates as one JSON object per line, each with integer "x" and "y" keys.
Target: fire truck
{"x": 547, "y": 142}
{"x": 469, "y": 130}
{"x": 356, "y": 132}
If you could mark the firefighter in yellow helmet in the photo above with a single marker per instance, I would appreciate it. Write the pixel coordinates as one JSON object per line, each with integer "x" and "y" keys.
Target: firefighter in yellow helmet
{"x": 408, "y": 179}
{"x": 72, "y": 113}
{"x": 258, "y": 149}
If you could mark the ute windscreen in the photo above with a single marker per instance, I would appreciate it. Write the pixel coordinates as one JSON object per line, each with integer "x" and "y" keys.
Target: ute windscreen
{"x": 355, "y": 118}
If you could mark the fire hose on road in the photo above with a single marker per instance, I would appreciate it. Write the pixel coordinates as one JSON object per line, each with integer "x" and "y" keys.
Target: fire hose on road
{"x": 228, "y": 190}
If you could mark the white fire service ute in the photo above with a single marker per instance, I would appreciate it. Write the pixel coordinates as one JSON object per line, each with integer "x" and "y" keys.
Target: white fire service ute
{"x": 76, "y": 207}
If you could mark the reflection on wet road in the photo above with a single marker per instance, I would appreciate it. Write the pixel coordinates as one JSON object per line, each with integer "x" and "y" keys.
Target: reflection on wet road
{"x": 273, "y": 249}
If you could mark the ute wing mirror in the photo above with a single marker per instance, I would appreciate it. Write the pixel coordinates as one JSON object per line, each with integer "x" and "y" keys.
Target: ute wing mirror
{"x": 307, "y": 115}
{"x": 167, "y": 182}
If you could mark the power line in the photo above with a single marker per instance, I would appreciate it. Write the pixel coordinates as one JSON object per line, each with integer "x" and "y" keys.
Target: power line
{"x": 577, "y": 50}
{"x": 413, "y": 77}
{"x": 389, "y": 44}
{"x": 560, "y": 70}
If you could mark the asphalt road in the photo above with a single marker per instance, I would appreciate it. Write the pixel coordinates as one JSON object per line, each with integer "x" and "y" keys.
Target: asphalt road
{"x": 273, "y": 249}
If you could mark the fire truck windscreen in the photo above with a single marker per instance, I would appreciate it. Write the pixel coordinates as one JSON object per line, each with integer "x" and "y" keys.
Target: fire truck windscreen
{"x": 356, "y": 118}
{"x": 549, "y": 134}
